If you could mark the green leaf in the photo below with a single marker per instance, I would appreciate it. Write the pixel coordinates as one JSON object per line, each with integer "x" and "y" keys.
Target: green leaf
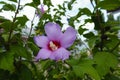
{"x": 13, "y": 0}
{"x": 21, "y": 20}
{"x": 81, "y": 30}
{"x": 104, "y": 61}
{"x": 46, "y": 16}
{"x": 2, "y": 41}
{"x": 85, "y": 11}
{"x": 45, "y": 64}
{"x": 88, "y": 20}
{"x": 85, "y": 67}
{"x": 33, "y": 47}
{"x": 21, "y": 51}
{"x": 9, "y": 7}
{"x": 91, "y": 42}
{"x": 70, "y": 4}
{"x": 2, "y": 2}
{"x": 88, "y": 35}
{"x": 6, "y": 25}
{"x": 47, "y": 2}
{"x": 115, "y": 28}
{"x": 60, "y": 7}
{"x": 58, "y": 76}
{"x": 30, "y": 4}
{"x": 112, "y": 42}
{"x": 73, "y": 61}
{"x": 36, "y": 2}
{"x": 25, "y": 73}
{"x": 109, "y": 4}
{"x": 3, "y": 74}
{"x": 112, "y": 77}
{"x": 2, "y": 19}
{"x": 6, "y": 61}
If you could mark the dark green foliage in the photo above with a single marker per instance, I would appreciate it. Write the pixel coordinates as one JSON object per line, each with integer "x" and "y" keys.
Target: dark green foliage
{"x": 21, "y": 21}
{"x": 48, "y": 3}
{"x": 6, "y": 61}
{"x": 81, "y": 30}
{"x": 8, "y": 7}
{"x": 24, "y": 73}
{"x": 85, "y": 67}
{"x": 104, "y": 61}
{"x": 111, "y": 5}
{"x": 95, "y": 58}
{"x": 13, "y": 0}
{"x": 33, "y": 47}
{"x": 36, "y": 2}
{"x": 70, "y": 4}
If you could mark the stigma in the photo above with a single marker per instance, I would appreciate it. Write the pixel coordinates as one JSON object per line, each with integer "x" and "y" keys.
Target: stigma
{"x": 53, "y": 45}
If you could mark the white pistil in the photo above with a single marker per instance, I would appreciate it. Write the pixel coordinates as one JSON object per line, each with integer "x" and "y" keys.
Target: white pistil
{"x": 53, "y": 46}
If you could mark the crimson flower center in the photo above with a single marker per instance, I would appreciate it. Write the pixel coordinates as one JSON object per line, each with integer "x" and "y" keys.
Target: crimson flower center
{"x": 53, "y": 45}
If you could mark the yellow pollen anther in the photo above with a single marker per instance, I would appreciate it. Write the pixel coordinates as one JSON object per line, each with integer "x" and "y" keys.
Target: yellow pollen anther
{"x": 53, "y": 46}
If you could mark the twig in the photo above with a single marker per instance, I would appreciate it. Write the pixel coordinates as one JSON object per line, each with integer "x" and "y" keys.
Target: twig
{"x": 31, "y": 27}
{"x": 92, "y": 4}
{"x": 115, "y": 47}
{"x": 86, "y": 46}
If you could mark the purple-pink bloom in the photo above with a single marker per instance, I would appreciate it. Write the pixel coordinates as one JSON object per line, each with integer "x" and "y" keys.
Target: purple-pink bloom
{"x": 41, "y": 10}
{"x": 53, "y": 46}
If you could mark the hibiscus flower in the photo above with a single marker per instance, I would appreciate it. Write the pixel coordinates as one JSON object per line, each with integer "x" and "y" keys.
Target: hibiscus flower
{"x": 54, "y": 45}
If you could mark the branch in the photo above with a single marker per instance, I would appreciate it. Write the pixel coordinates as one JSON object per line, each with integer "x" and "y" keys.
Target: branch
{"x": 101, "y": 29}
{"x": 12, "y": 24}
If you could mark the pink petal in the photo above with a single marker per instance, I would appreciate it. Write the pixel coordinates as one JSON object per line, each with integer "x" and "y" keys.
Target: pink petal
{"x": 60, "y": 54}
{"x": 41, "y": 41}
{"x": 68, "y": 37}
{"x": 53, "y": 31}
{"x": 43, "y": 54}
